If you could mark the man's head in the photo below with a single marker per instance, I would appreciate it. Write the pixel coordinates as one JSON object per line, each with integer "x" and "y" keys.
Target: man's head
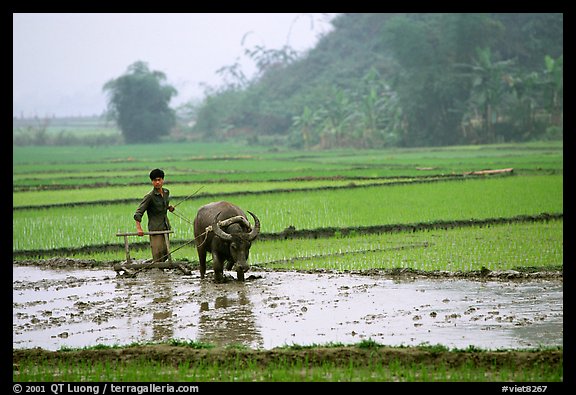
{"x": 156, "y": 173}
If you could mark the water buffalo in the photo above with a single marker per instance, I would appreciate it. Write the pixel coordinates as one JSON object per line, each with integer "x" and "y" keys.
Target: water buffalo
{"x": 222, "y": 229}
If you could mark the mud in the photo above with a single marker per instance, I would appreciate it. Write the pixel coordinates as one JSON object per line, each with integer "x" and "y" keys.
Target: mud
{"x": 77, "y": 304}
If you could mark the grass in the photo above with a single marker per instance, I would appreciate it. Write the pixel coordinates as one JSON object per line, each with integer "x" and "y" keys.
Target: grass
{"x": 363, "y": 362}
{"x": 281, "y": 372}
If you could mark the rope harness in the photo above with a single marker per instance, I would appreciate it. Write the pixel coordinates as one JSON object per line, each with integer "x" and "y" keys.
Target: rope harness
{"x": 223, "y": 223}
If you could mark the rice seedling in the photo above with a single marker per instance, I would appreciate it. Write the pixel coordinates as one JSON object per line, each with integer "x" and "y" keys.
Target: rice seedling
{"x": 497, "y": 247}
{"x": 73, "y": 227}
{"x": 121, "y": 194}
{"x": 290, "y": 366}
{"x": 509, "y": 246}
{"x": 45, "y": 167}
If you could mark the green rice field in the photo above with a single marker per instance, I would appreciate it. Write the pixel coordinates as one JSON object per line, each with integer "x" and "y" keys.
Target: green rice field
{"x": 429, "y": 210}
{"x": 77, "y": 199}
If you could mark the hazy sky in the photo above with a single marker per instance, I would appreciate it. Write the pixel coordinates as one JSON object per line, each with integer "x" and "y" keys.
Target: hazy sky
{"x": 61, "y": 61}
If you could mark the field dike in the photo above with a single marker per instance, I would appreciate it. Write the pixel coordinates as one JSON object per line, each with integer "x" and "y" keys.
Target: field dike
{"x": 529, "y": 273}
{"x": 337, "y": 356}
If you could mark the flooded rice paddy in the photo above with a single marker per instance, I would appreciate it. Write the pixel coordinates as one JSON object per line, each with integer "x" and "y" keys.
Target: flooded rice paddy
{"x": 55, "y": 308}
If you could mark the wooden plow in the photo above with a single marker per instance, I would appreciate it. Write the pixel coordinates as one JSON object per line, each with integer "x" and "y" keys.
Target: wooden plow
{"x": 130, "y": 267}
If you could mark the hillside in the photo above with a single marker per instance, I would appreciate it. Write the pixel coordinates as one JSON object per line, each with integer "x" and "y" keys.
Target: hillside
{"x": 402, "y": 80}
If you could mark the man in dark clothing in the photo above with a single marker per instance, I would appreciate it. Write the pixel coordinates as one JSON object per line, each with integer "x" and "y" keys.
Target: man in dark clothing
{"x": 156, "y": 204}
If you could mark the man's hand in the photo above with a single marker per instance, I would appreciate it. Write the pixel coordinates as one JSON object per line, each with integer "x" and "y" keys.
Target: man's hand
{"x": 139, "y": 229}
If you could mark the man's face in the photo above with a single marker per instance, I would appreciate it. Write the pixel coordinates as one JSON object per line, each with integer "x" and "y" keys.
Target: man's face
{"x": 158, "y": 182}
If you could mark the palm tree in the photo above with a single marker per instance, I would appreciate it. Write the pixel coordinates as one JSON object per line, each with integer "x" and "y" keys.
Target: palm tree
{"x": 491, "y": 81}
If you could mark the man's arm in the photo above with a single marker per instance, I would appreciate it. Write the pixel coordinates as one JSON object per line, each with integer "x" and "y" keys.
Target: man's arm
{"x": 140, "y": 212}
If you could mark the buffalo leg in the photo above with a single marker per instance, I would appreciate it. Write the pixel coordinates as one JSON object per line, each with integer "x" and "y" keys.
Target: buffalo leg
{"x": 240, "y": 274}
{"x": 202, "y": 259}
{"x": 218, "y": 267}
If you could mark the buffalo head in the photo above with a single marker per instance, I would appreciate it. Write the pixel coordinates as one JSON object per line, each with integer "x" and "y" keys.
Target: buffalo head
{"x": 239, "y": 242}
{"x": 223, "y": 230}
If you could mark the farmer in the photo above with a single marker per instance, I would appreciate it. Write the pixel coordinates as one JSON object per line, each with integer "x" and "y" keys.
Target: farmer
{"x": 156, "y": 204}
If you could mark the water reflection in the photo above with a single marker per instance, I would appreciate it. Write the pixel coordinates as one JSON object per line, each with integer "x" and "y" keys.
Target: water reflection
{"x": 159, "y": 289}
{"x": 229, "y": 319}
{"x": 162, "y": 323}
{"x": 77, "y": 308}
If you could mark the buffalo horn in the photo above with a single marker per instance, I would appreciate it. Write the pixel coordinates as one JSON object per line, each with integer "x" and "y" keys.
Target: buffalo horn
{"x": 219, "y": 232}
{"x": 256, "y": 229}
{"x": 233, "y": 220}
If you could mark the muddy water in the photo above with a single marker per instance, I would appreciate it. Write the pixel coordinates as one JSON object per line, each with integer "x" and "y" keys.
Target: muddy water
{"x": 54, "y": 308}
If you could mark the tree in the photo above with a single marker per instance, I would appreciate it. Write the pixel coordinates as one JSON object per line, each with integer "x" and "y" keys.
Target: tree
{"x": 306, "y": 124}
{"x": 554, "y": 88}
{"x": 430, "y": 90}
{"x": 138, "y": 103}
{"x": 491, "y": 82}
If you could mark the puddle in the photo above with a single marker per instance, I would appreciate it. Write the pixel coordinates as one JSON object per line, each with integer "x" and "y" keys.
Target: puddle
{"x": 55, "y": 308}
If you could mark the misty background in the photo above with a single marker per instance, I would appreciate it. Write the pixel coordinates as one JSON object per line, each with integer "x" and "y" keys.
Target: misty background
{"x": 62, "y": 61}
{"x": 305, "y": 81}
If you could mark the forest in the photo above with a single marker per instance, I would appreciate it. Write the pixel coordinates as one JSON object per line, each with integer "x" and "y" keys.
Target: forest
{"x": 397, "y": 80}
